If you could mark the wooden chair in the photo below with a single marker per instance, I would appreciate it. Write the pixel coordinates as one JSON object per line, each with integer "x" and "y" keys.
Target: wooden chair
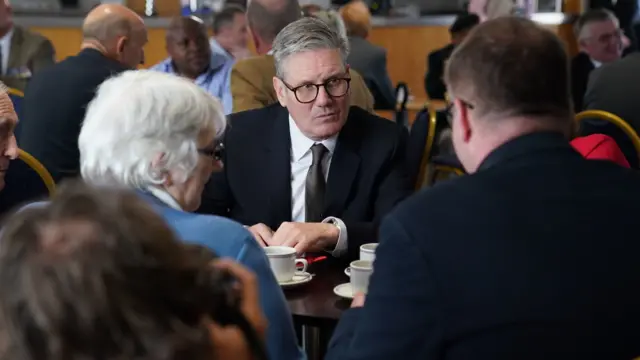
{"x": 615, "y": 120}
{"x": 26, "y": 180}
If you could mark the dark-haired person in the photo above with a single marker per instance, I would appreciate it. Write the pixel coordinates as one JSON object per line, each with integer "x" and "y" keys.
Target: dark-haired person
{"x": 230, "y": 35}
{"x": 97, "y": 274}
{"x": 531, "y": 256}
{"x": 433, "y": 80}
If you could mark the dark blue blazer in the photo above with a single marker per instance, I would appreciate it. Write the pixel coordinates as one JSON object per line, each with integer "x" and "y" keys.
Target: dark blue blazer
{"x": 535, "y": 256}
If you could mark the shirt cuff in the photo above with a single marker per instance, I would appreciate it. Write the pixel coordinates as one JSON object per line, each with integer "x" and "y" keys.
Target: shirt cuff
{"x": 342, "y": 244}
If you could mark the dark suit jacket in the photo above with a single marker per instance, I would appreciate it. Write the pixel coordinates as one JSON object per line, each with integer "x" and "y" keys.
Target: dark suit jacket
{"x": 532, "y": 257}
{"x": 30, "y": 53}
{"x": 581, "y": 68}
{"x": 433, "y": 81}
{"x": 366, "y": 179}
{"x": 625, "y": 11}
{"x": 613, "y": 88}
{"x": 371, "y": 62}
{"x": 54, "y": 107}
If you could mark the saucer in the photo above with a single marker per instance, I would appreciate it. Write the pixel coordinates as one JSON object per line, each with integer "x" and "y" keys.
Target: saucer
{"x": 344, "y": 291}
{"x": 300, "y": 277}
{"x": 347, "y": 271}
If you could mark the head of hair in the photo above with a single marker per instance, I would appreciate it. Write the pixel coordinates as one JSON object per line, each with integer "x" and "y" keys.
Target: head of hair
{"x": 97, "y": 271}
{"x": 107, "y": 28}
{"x": 511, "y": 67}
{"x": 268, "y": 17}
{"x": 225, "y": 17}
{"x": 464, "y": 22}
{"x": 334, "y": 20}
{"x": 179, "y": 23}
{"x": 589, "y": 17}
{"x": 357, "y": 18}
{"x": 141, "y": 117}
{"x": 306, "y": 34}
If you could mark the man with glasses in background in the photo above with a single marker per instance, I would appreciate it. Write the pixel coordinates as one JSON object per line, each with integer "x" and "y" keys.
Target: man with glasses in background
{"x": 310, "y": 172}
{"x": 601, "y": 41}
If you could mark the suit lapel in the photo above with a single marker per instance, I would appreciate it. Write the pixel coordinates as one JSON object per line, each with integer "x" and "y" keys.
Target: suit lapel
{"x": 345, "y": 164}
{"x": 278, "y": 160}
{"x": 16, "y": 44}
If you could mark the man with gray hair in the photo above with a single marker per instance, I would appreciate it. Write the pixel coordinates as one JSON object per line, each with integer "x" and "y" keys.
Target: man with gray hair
{"x": 323, "y": 173}
{"x": 601, "y": 41}
{"x": 251, "y": 79}
{"x": 529, "y": 256}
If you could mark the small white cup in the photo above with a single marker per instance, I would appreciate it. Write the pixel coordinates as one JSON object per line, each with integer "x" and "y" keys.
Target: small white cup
{"x": 361, "y": 270}
{"x": 283, "y": 262}
{"x": 368, "y": 251}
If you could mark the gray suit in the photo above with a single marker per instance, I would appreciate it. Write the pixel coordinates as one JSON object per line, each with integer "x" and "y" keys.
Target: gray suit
{"x": 614, "y": 88}
{"x": 371, "y": 62}
{"x": 30, "y": 52}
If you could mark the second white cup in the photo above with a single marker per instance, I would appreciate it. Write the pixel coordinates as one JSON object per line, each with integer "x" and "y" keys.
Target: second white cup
{"x": 283, "y": 262}
{"x": 361, "y": 271}
{"x": 368, "y": 251}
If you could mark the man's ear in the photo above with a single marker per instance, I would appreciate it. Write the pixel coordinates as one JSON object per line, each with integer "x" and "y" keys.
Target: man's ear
{"x": 122, "y": 42}
{"x": 280, "y": 89}
{"x": 465, "y": 123}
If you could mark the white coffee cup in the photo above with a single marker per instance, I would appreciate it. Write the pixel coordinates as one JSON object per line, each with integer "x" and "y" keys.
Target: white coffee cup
{"x": 368, "y": 251}
{"x": 283, "y": 262}
{"x": 360, "y": 270}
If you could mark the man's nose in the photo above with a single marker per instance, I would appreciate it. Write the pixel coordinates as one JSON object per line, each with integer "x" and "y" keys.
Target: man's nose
{"x": 12, "y": 148}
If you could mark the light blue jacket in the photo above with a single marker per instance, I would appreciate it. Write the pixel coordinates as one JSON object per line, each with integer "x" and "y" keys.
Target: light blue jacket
{"x": 230, "y": 239}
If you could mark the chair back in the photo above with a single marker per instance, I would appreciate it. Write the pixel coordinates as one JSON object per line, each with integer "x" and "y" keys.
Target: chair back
{"x": 402, "y": 95}
{"x": 420, "y": 145}
{"x": 26, "y": 180}
{"x": 618, "y": 122}
{"x": 17, "y": 97}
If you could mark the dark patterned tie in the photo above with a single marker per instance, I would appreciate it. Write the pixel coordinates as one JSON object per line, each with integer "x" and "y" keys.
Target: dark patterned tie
{"x": 315, "y": 185}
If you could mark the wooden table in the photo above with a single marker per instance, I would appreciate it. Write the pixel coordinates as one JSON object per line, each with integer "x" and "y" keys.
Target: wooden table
{"x": 315, "y": 308}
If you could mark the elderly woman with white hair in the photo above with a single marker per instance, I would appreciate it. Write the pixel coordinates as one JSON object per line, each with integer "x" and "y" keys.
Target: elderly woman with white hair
{"x": 158, "y": 134}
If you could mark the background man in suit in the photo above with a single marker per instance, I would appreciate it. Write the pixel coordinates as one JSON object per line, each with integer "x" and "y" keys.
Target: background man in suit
{"x": 56, "y": 98}
{"x": 252, "y": 78}
{"x": 230, "y": 36}
{"x": 433, "y": 80}
{"x": 600, "y": 40}
{"x": 22, "y": 52}
{"x": 368, "y": 59}
{"x": 530, "y": 256}
{"x": 625, "y": 11}
{"x": 614, "y": 88}
{"x": 317, "y": 172}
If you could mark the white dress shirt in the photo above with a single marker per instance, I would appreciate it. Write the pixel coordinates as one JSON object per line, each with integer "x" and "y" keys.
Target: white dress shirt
{"x": 5, "y": 46}
{"x": 301, "y": 159}
{"x": 596, "y": 64}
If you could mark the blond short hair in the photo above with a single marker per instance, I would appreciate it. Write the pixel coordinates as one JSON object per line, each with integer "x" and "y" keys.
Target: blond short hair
{"x": 357, "y": 18}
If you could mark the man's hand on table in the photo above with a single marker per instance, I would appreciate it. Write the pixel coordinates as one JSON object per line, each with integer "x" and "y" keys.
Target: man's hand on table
{"x": 306, "y": 237}
{"x": 262, "y": 233}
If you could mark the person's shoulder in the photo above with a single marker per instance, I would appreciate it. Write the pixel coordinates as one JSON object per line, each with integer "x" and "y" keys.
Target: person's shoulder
{"x": 255, "y": 119}
{"x": 372, "y": 121}
{"x": 255, "y": 64}
{"x": 31, "y": 36}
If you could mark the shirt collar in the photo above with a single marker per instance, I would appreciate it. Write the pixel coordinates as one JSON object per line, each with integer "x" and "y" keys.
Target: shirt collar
{"x": 164, "y": 196}
{"x": 216, "y": 48}
{"x": 300, "y": 144}
{"x": 596, "y": 64}
{"x": 6, "y": 39}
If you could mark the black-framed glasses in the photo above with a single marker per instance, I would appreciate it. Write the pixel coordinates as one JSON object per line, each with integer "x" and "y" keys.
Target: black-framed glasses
{"x": 307, "y": 93}
{"x": 216, "y": 152}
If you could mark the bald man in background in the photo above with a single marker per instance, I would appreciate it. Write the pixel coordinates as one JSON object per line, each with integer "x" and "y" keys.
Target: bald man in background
{"x": 252, "y": 78}
{"x": 56, "y": 98}
{"x": 22, "y": 52}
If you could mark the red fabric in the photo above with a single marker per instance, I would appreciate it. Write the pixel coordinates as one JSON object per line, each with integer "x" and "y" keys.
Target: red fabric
{"x": 599, "y": 147}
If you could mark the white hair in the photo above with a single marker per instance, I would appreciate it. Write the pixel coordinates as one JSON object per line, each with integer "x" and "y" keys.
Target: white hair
{"x": 140, "y": 117}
